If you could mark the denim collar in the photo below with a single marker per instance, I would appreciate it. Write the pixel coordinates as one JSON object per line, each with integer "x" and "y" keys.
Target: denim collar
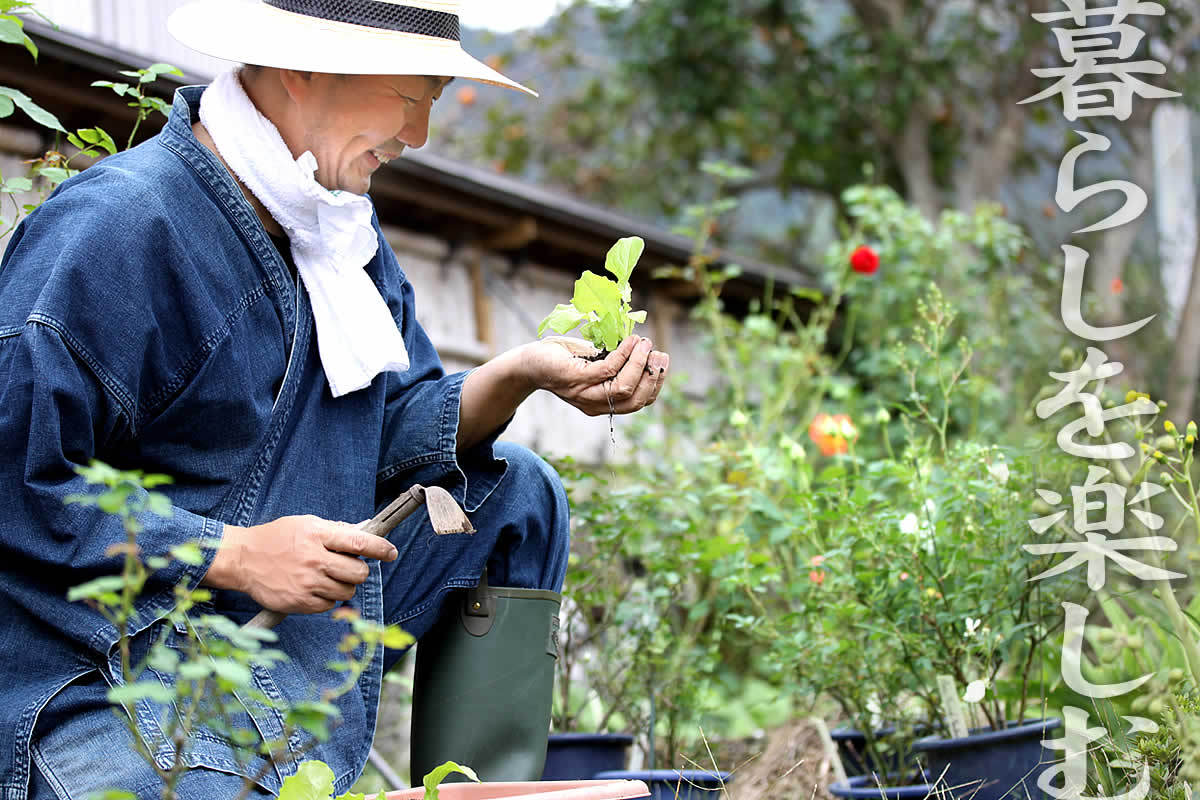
{"x": 177, "y": 136}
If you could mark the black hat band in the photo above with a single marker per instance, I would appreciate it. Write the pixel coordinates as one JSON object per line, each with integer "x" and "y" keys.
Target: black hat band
{"x": 376, "y": 14}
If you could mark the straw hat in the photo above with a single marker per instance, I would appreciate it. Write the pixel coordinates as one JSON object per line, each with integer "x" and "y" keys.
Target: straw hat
{"x": 347, "y": 37}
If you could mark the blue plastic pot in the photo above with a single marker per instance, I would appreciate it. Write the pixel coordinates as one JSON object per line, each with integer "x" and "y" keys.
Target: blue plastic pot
{"x": 669, "y": 784}
{"x": 864, "y": 787}
{"x": 990, "y": 765}
{"x": 579, "y": 756}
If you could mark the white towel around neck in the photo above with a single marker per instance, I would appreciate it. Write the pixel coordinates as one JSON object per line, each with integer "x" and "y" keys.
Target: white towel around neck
{"x": 331, "y": 236}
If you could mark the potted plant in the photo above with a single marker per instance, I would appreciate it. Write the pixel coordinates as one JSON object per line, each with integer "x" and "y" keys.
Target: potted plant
{"x": 918, "y": 571}
{"x": 588, "y": 641}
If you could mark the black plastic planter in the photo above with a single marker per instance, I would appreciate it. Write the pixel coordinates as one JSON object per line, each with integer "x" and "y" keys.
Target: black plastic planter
{"x": 579, "y": 756}
{"x": 852, "y": 749}
{"x": 990, "y": 765}
{"x": 864, "y": 787}
{"x": 669, "y": 784}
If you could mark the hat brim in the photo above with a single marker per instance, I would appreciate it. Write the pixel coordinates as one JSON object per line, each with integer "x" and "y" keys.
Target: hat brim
{"x": 252, "y": 32}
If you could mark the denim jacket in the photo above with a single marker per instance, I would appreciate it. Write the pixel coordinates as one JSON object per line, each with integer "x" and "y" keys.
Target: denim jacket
{"x": 147, "y": 320}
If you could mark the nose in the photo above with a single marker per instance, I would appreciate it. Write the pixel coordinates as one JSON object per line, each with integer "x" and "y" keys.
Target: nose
{"x": 416, "y": 129}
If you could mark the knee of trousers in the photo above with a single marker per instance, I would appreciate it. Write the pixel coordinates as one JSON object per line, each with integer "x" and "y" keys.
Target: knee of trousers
{"x": 536, "y": 497}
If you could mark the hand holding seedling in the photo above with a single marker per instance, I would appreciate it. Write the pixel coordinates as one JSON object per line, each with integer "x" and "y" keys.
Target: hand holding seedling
{"x": 617, "y": 373}
{"x": 626, "y": 380}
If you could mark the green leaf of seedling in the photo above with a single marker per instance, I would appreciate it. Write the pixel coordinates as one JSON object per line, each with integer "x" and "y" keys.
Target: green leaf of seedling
{"x": 594, "y": 293}
{"x": 154, "y": 479}
{"x": 6, "y": 107}
{"x": 623, "y": 257}
{"x": 637, "y": 316}
{"x": 607, "y": 332}
{"x": 142, "y": 690}
{"x": 130, "y": 73}
{"x": 36, "y": 113}
{"x": 439, "y": 774}
{"x": 312, "y": 781}
{"x": 352, "y": 796}
{"x": 563, "y": 319}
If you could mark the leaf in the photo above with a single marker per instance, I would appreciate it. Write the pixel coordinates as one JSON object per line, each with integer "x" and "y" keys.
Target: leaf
{"x": 36, "y": 113}
{"x": 55, "y": 175}
{"x": 142, "y": 690}
{"x": 162, "y": 69}
{"x": 563, "y": 319}
{"x": 6, "y": 107}
{"x": 112, "y": 794}
{"x": 230, "y": 670}
{"x": 594, "y": 293}
{"x": 121, "y": 89}
{"x": 14, "y": 185}
{"x": 96, "y": 587}
{"x": 312, "y": 781}
{"x": 396, "y": 638}
{"x": 638, "y": 316}
{"x": 607, "y": 332}
{"x": 623, "y": 257}
{"x": 13, "y": 32}
{"x": 439, "y": 774}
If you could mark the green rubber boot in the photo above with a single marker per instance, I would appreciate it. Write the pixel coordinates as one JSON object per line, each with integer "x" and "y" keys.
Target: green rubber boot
{"x": 483, "y": 684}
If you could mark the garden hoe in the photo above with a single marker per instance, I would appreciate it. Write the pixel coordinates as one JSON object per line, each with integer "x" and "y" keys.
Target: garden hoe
{"x": 444, "y": 514}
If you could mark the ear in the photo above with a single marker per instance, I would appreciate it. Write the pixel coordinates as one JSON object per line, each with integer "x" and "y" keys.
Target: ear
{"x": 296, "y": 83}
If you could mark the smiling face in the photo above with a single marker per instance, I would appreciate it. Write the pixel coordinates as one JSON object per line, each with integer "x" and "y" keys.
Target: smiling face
{"x": 354, "y": 123}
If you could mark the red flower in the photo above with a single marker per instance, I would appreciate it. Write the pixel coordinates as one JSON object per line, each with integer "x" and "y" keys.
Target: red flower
{"x": 817, "y": 577}
{"x": 1117, "y": 286}
{"x": 832, "y": 434}
{"x": 864, "y": 260}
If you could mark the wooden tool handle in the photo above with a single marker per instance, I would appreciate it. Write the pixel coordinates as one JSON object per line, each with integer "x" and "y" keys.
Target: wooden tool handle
{"x": 380, "y": 525}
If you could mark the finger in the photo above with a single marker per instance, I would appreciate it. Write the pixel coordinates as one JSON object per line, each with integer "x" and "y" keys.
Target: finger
{"x": 661, "y": 363}
{"x": 611, "y": 366}
{"x": 335, "y": 591}
{"x": 346, "y": 569}
{"x": 631, "y": 374}
{"x": 356, "y": 542}
{"x": 647, "y": 388}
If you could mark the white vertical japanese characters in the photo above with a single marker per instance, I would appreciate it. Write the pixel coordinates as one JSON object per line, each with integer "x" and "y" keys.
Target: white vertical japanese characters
{"x": 1100, "y": 77}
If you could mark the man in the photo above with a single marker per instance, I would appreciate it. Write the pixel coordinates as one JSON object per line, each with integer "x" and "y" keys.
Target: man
{"x": 219, "y": 304}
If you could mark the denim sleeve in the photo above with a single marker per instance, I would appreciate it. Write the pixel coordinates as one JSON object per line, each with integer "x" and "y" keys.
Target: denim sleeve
{"x": 420, "y": 426}
{"x": 56, "y": 413}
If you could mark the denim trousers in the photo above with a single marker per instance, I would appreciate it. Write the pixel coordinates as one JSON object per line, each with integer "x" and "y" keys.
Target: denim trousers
{"x": 522, "y": 537}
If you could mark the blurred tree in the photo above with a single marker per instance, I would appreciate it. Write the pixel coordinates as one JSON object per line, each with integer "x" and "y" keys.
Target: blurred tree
{"x": 807, "y": 92}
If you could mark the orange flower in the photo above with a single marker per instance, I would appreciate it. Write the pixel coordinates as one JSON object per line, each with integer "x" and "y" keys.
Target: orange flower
{"x": 466, "y": 95}
{"x": 1117, "y": 286}
{"x": 817, "y": 577}
{"x": 832, "y": 434}
{"x": 817, "y": 561}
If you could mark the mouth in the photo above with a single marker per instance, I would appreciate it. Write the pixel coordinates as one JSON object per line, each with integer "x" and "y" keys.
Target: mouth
{"x": 383, "y": 156}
